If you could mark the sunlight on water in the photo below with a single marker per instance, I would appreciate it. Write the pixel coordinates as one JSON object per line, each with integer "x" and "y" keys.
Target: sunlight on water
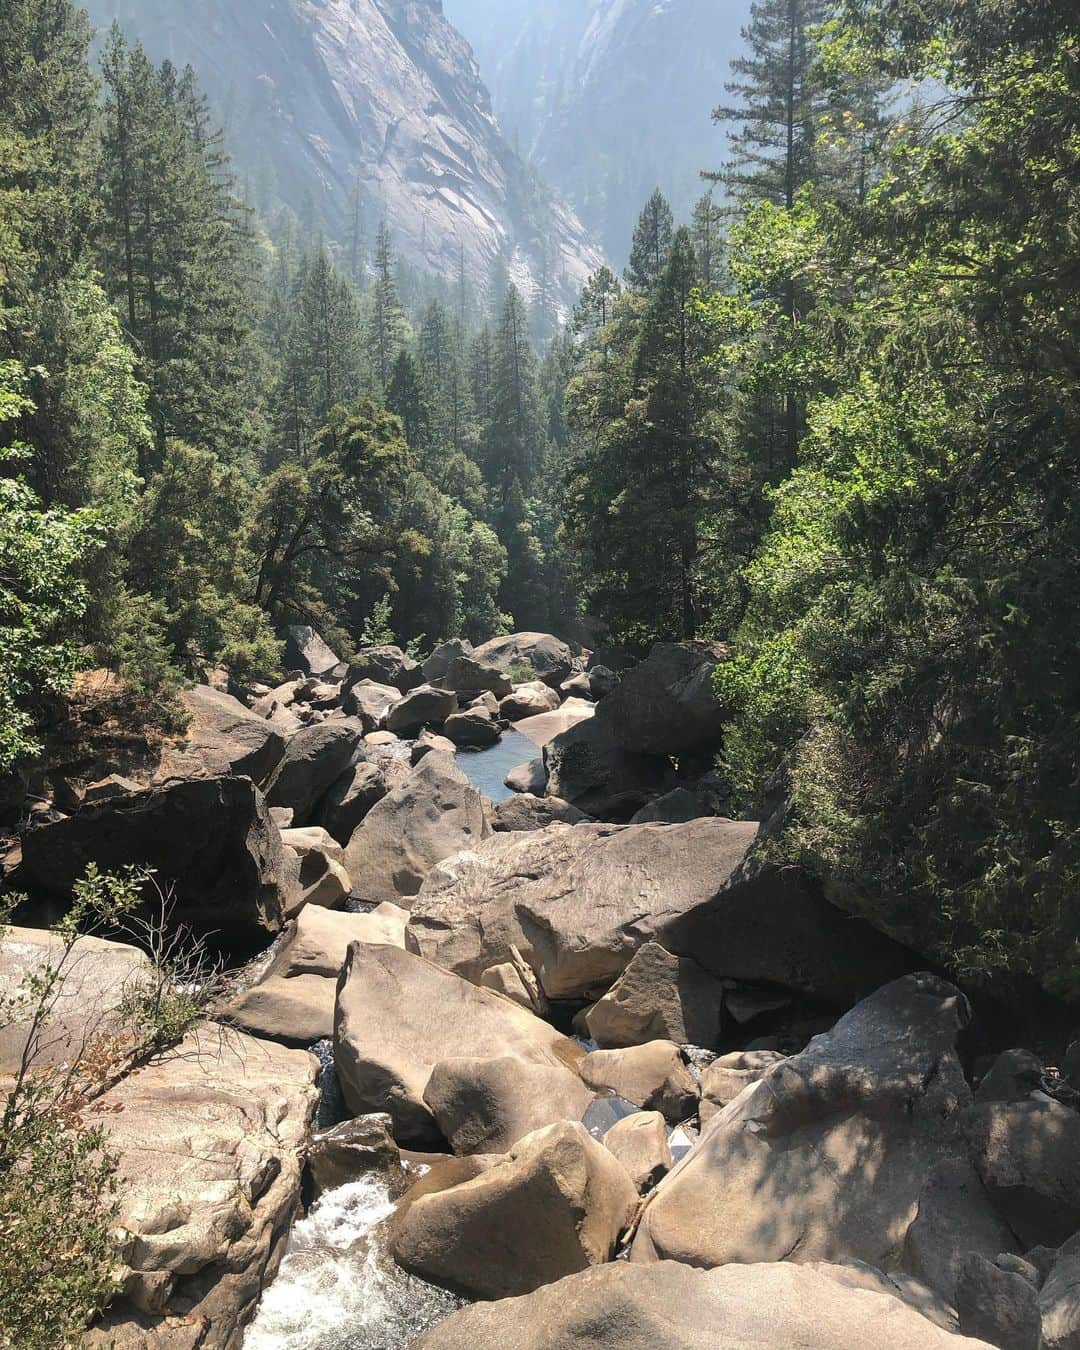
{"x": 338, "y": 1289}
{"x": 486, "y": 769}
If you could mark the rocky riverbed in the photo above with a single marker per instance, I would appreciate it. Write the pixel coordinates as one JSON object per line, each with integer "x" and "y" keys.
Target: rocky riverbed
{"x": 593, "y": 1070}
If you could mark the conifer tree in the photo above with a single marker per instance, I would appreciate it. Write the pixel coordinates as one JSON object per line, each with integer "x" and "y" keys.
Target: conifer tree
{"x": 651, "y": 242}
{"x": 707, "y": 233}
{"x": 386, "y": 319}
{"x": 778, "y": 100}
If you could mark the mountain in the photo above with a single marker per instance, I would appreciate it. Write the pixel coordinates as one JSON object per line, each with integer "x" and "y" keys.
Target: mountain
{"x": 608, "y": 98}
{"x": 319, "y": 96}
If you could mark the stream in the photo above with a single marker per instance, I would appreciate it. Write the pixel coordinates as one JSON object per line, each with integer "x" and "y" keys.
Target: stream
{"x": 337, "y": 1288}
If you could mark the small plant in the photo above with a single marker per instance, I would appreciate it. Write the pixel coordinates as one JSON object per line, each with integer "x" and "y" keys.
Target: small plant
{"x": 377, "y": 630}
{"x": 520, "y": 672}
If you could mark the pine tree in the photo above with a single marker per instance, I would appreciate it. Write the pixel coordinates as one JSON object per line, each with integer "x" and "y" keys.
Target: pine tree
{"x": 386, "y": 319}
{"x": 651, "y": 242}
{"x": 407, "y": 398}
{"x": 514, "y": 443}
{"x": 707, "y": 232}
{"x": 779, "y": 100}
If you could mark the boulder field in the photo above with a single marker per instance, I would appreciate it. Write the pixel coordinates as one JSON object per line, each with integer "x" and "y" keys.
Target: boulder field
{"x": 601, "y": 1017}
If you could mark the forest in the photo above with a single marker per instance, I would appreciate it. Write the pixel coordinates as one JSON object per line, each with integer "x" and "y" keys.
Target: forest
{"x": 831, "y": 420}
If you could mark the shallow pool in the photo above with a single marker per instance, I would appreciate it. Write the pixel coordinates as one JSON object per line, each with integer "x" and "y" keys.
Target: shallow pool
{"x": 486, "y": 769}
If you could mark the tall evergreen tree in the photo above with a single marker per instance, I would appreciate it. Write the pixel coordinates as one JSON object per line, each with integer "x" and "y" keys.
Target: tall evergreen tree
{"x": 778, "y": 101}
{"x": 386, "y": 319}
{"x": 651, "y": 242}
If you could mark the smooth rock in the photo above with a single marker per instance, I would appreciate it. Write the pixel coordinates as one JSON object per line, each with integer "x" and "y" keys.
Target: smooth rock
{"x": 98, "y": 978}
{"x": 398, "y": 1016}
{"x": 474, "y": 729}
{"x": 306, "y": 651}
{"x": 588, "y": 767}
{"x": 531, "y": 699}
{"x": 543, "y": 728}
{"x": 526, "y": 812}
{"x": 210, "y": 842}
{"x": 726, "y": 1077}
{"x": 468, "y": 676}
{"x": 659, "y": 997}
{"x": 1059, "y": 1299}
{"x": 955, "y": 1219}
{"x": 314, "y": 878}
{"x": 579, "y": 901}
{"x": 350, "y": 798}
{"x": 997, "y": 1305}
{"x": 529, "y": 778}
{"x": 224, "y": 739}
{"x": 293, "y": 1002}
{"x": 550, "y": 658}
{"x": 1013, "y": 1077}
{"x": 422, "y": 707}
{"x": 428, "y": 741}
{"x": 440, "y": 660}
{"x": 673, "y": 808}
{"x": 824, "y": 1158}
{"x": 370, "y": 702}
{"x": 653, "y": 1076}
{"x": 315, "y": 758}
{"x": 555, "y": 1205}
{"x": 640, "y": 1144}
{"x": 670, "y": 1306}
{"x": 434, "y": 814}
{"x": 386, "y": 665}
{"x": 666, "y": 705}
{"x": 350, "y": 1150}
{"x": 1028, "y": 1155}
{"x": 488, "y": 1105}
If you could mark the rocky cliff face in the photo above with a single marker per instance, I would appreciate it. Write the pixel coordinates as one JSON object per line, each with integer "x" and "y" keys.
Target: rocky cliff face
{"x": 319, "y": 96}
{"x": 609, "y": 98}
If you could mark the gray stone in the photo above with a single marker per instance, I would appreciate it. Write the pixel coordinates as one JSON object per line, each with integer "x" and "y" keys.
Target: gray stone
{"x": 1014, "y": 1076}
{"x": 315, "y": 758}
{"x": 659, "y": 997}
{"x": 526, "y": 812}
{"x": 473, "y": 729}
{"x": 550, "y": 658}
{"x": 306, "y": 651}
{"x": 653, "y": 1076}
{"x": 528, "y": 778}
{"x": 997, "y": 1306}
{"x": 673, "y": 808}
{"x": 640, "y": 1144}
{"x": 350, "y": 798}
{"x": 422, "y": 707}
{"x": 666, "y": 705}
{"x": 598, "y": 774}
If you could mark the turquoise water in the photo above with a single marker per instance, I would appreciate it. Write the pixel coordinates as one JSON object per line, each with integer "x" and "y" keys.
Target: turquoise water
{"x": 486, "y": 769}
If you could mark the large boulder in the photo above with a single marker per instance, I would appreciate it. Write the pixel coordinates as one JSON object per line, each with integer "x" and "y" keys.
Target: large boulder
{"x": 1028, "y": 1155}
{"x": 579, "y": 901}
{"x": 435, "y": 813}
{"x": 487, "y": 1105}
{"x": 543, "y": 728}
{"x": 370, "y": 702}
{"x": 673, "y": 808}
{"x": 422, "y": 707}
{"x": 666, "y": 705}
{"x": 726, "y": 1077}
{"x": 89, "y": 1002}
{"x": 386, "y": 665}
{"x": 444, "y": 655}
{"x": 315, "y": 758}
{"x": 526, "y": 812}
{"x": 530, "y": 778}
{"x": 210, "y": 842}
{"x": 670, "y": 1306}
{"x": 350, "y": 798}
{"x": 825, "y": 1157}
{"x": 654, "y": 1077}
{"x": 307, "y": 652}
{"x": 529, "y": 700}
{"x": 293, "y": 1001}
{"x": 472, "y": 729}
{"x": 210, "y": 1140}
{"x": 640, "y": 1143}
{"x": 398, "y": 1016}
{"x": 1059, "y": 1299}
{"x": 469, "y": 676}
{"x": 314, "y": 878}
{"x": 555, "y": 1205}
{"x": 550, "y": 658}
{"x": 587, "y": 766}
{"x": 224, "y": 739}
{"x": 659, "y": 997}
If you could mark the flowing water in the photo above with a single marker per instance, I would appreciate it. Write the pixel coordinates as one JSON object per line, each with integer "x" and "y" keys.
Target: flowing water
{"x": 486, "y": 769}
{"x": 338, "y": 1289}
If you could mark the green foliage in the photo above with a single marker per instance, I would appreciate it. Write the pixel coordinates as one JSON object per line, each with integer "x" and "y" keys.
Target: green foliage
{"x": 41, "y": 594}
{"x": 377, "y": 631}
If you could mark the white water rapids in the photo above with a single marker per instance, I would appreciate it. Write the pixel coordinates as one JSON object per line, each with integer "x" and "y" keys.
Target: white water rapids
{"x": 337, "y": 1289}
